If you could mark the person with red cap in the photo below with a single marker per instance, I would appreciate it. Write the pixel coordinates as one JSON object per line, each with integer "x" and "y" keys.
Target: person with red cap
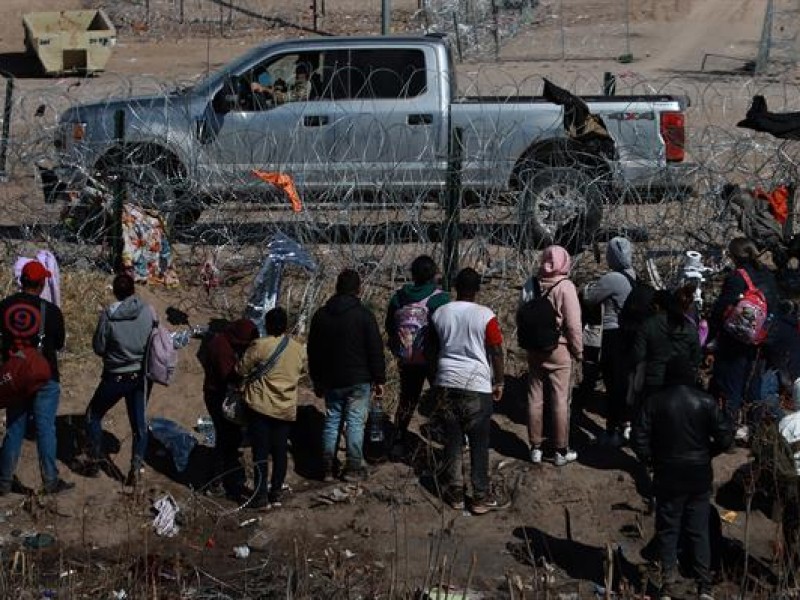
{"x": 21, "y": 317}
{"x": 218, "y": 358}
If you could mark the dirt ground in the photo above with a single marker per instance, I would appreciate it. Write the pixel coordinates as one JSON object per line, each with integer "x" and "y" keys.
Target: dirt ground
{"x": 392, "y": 533}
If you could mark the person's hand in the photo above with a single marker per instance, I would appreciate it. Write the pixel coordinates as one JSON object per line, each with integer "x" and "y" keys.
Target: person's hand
{"x": 497, "y": 392}
{"x": 379, "y": 390}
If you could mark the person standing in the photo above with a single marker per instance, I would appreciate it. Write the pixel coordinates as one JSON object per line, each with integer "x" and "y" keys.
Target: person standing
{"x": 21, "y": 316}
{"x": 345, "y": 362}
{"x": 553, "y": 369}
{"x": 219, "y": 358}
{"x": 407, "y": 320}
{"x": 612, "y": 290}
{"x": 679, "y": 430}
{"x": 272, "y": 365}
{"x": 739, "y": 367}
{"x": 469, "y": 377}
{"x": 120, "y": 339}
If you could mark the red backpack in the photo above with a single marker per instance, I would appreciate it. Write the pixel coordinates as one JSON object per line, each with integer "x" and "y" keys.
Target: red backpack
{"x": 747, "y": 319}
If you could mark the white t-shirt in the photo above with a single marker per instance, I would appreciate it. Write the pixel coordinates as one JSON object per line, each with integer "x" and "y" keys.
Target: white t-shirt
{"x": 463, "y": 329}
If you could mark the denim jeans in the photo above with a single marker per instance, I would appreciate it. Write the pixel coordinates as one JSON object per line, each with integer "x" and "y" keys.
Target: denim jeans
{"x": 269, "y": 437}
{"x": 43, "y": 409}
{"x": 112, "y": 388}
{"x": 734, "y": 368}
{"x": 466, "y": 413}
{"x": 228, "y": 439}
{"x": 346, "y": 406}
{"x": 676, "y": 511}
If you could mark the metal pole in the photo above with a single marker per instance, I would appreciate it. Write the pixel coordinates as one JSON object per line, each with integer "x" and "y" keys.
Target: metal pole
{"x": 119, "y": 189}
{"x": 314, "y": 16}
{"x": 453, "y": 208}
{"x": 458, "y": 37}
{"x": 182, "y": 11}
{"x": 628, "y": 28}
{"x": 563, "y": 33}
{"x": 386, "y": 17}
{"x": 496, "y": 20}
{"x": 6, "y": 135}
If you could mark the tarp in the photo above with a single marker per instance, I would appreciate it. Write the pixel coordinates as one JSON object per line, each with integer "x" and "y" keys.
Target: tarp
{"x": 785, "y": 126}
{"x": 146, "y": 248}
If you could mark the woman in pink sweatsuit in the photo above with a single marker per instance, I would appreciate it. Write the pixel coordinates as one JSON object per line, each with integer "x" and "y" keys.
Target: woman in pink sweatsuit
{"x": 554, "y": 367}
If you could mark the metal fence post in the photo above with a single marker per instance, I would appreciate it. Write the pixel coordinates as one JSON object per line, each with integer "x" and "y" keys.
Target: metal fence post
{"x": 5, "y": 136}
{"x": 386, "y": 17}
{"x": 119, "y": 189}
{"x": 453, "y": 208}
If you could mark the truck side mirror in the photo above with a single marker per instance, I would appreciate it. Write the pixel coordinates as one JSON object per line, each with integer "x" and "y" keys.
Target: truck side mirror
{"x": 228, "y": 98}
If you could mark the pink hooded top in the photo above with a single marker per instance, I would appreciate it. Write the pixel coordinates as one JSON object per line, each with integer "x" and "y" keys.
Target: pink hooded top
{"x": 554, "y": 267}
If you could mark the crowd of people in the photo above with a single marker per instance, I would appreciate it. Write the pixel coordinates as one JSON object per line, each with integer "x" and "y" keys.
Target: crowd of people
{"x": 652, "y": 354}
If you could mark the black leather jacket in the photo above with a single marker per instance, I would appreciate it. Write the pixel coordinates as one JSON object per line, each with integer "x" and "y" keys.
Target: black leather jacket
{"x": 680, "y": 429}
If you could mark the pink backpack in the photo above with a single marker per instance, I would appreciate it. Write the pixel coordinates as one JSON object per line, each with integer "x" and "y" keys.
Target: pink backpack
{"x": 747, "y": 319}
{"x": 411, "y": 324}
{"x": 162, "y": 357}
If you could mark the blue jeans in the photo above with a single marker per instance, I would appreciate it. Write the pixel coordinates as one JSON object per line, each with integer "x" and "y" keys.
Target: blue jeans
{"x": 44, "y": 409}
{"x": 346, "y": 406}
{"x": 113, "y": 387}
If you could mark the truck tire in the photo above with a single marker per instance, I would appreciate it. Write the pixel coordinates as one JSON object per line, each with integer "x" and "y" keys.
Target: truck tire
{"x": 558, "y": 205}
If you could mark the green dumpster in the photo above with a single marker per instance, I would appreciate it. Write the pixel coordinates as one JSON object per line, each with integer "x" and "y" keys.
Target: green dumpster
{"x": 70, "y": 41}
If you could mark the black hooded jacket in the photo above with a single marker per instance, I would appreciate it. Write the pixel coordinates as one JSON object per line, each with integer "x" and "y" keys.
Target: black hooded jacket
{"x": 344, "y": 345}
{"x": 680, "y": 429}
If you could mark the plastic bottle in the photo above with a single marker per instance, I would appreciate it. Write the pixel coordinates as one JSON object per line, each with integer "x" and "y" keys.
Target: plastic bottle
{"x": 376, "y": 421}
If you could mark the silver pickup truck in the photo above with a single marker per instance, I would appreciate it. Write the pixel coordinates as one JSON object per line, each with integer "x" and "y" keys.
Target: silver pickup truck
{"x": 375, "y": 115}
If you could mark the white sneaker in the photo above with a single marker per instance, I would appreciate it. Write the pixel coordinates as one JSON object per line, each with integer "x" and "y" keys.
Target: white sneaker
{"x": 566, "y": 458}
{"x": 626, "y": 433}
{"x": 536, "y": 455}
{"x": 742, "y": 434}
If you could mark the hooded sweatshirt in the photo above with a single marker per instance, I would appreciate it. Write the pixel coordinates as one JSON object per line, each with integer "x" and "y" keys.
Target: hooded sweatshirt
{"x": 612, "y": 289}
{"x": 554, "y": 269}
{"x": 344, "y": 345}
{"x": 222, "y": 353}
{"x": 122, "y": 334}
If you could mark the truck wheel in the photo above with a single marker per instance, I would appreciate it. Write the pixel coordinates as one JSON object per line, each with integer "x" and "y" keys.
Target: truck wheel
{"x": 558, "y": 205}
{"x": 149, "y": 182}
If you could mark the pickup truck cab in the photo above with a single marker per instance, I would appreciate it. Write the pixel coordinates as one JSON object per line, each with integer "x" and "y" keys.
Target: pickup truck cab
{"x": 375, "y": 115}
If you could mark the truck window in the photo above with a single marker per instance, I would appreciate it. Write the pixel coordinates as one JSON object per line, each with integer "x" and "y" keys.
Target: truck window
{"x": 391, "y": 73}
{"x": 285, "y": 78}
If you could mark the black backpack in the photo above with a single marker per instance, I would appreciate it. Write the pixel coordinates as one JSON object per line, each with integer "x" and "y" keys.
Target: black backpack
{"x": 636, "y": 308}
{"x": 537, "y": 322}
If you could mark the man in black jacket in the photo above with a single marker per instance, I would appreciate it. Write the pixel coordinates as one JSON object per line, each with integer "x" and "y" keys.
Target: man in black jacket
{"x": 679, "y": 430}
{"x": 345, "y": 362}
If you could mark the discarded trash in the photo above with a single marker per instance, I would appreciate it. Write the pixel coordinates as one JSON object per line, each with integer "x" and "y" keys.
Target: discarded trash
{"x": 119, "y": 595}
{"x": 241, "y": 551}
{"x": 205, "y": 427}
{"x": 730, "y": 516}
{"x": 348, "y": 554}
{"x": 38, "y": 541}
{"x": 64, "y": 574}
{"x": 177, "y": 440}
{"x": 451, "y": 593}
{"x": 164, "y": 521}
{"x": 249, "y": 522}
{"x": 341, "y": 494}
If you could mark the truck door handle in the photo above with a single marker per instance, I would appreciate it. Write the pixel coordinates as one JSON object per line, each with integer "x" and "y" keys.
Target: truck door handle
{"x": 315, "y": 120}
{"x": 419, "y": 119}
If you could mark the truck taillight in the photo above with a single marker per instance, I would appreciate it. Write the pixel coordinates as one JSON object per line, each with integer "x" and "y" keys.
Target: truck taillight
{"x": 674, "y": 134}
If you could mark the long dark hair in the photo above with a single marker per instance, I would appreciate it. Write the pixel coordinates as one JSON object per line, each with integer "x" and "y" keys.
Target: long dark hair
{"x": 743, "y": 251}
{"x": 669, "y": 303}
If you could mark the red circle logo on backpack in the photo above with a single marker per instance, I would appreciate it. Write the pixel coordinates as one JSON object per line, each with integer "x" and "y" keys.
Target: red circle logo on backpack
{"x": 22, "y": 320}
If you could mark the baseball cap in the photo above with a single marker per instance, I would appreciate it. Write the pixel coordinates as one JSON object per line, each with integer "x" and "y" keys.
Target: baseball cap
{"x": 35, "y": 272}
